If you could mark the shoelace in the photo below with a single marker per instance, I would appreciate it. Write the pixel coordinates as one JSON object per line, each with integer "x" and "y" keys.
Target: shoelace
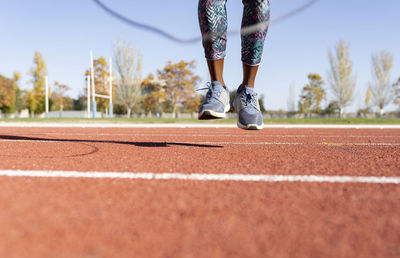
{"x": 249, "y": 99}
{"x": 211, "y": 93}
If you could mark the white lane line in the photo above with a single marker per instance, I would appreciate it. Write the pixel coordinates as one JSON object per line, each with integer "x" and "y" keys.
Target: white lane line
{"x": 194, "y": 125}
{"x": 222, "y": 135}
{"x": 297, "y": 143}
{"x": 202, "y": 177}
{"x": 111, "y": 125}
{"x": 213, "y": 143}
{"x": 370, "y": 144}
{"x": 166, "y": 142}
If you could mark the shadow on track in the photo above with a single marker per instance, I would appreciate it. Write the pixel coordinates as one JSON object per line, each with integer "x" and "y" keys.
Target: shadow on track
{"x": 139, "y": 144}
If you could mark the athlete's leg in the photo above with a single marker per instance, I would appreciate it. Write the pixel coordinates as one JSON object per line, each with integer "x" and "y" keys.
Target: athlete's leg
{"x": 254, "y": 30}
{"x": 249, "y": 74}
{"x": 213, "y": 26}
{"x": 216, "y": 69}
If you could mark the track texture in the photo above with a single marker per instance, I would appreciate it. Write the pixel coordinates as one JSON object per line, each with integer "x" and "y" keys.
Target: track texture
{"x": 65, "y": 217}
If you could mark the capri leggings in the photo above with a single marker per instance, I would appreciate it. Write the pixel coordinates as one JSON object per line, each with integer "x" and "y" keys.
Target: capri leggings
{"x": 213, "y": 26}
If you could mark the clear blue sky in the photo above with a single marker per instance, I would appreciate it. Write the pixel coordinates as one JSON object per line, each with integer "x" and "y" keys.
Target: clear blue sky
{"x": 65, "y": 31}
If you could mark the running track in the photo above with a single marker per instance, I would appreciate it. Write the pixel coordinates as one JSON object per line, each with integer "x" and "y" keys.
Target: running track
{"x": 199, "y": 192}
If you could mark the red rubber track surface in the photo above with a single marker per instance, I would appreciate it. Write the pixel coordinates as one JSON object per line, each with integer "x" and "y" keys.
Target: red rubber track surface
{"x": 67, "y": 217}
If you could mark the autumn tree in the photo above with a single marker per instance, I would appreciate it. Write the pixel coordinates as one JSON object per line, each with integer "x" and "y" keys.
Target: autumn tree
{"x": 17, "y": 76}
{"x": 101, "y": 81}
{"x": 340, "y": 78}
{"x": 7, "y": 94}
{"x": 191, "y": 101}
{"x": 60, "y": 100}
{"x": 38, "y": 72}
{"x": 128, "y": 82}
{"x": 180, "y": 81}
{"x": 154, "y": 94}
{"x": 381, "y": 87}
{"x": 312, "y": 95}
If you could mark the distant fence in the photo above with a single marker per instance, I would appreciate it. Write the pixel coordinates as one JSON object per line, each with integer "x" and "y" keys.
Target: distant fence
{"x": 266, "y": 115}
{"x": 71, "y": 114}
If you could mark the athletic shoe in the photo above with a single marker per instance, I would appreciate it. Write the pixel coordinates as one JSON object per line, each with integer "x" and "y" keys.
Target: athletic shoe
{"x": 248, "y": 108}
{"x": 216, "y": 103}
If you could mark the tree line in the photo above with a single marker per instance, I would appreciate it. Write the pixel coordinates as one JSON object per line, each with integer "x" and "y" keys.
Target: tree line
{"x": 342, "y": 81}
{"x": 172, "y": 88}
{"x": 14, "y": 99}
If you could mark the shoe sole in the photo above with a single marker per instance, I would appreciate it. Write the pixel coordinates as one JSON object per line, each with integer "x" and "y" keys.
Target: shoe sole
{"x": 208, "y": 114}
{"x": 250, "y": 126}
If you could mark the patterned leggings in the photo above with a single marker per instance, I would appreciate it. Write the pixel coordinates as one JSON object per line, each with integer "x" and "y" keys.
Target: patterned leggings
{"x": 213, "y": 26}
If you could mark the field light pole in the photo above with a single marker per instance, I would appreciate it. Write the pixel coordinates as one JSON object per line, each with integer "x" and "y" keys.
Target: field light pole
{"x": 94, "y": 95}
{"x": 94, "y": 107}
{"x": 88, "y": 95}
{"x": 46, "y": 81}
{"x": 111, "y": 111}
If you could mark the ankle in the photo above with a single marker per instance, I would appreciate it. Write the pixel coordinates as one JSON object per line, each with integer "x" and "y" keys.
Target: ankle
{"x": 242, "y": 86}
{"x": 220, "y": 82}
{"x": 248, "y": 84}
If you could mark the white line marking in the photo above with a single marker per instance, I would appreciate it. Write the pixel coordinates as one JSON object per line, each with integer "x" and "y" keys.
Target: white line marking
{"x": 220, "y": 135}
{"x": 213, "y": 143}
{"x": 166, "y": 142}
{"x": 110, "y": 125}
{"x": 297, "y": 143}
{"x": 370, "y": 144}
{"x": 202, "y": 177}
{"x": 194, "y": 125}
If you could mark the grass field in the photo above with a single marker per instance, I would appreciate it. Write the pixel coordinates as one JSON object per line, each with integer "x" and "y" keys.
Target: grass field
{"x": 193, "y": 120}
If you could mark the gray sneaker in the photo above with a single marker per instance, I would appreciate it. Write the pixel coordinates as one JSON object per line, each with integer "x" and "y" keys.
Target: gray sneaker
{"x": 248, "y": 108}
{"x": 216, "y": 103}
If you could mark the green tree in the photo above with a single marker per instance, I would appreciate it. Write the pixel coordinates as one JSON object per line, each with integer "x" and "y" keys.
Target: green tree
{"x": 312, "y": 95}
{"x": 80, "y": 103}
{"x": 38, "y": 72}
{"x": 261, "y": 102}
{"x": 180, "y": 82}
{"x": 232, "y": 95}
{"x": 332, "y": 108}
{"x": 19, "y": 94}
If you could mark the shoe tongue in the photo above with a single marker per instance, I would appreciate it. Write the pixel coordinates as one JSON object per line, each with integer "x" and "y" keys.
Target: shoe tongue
{"x": 248, "y": 90}
{"x": 249, "y": 93}
{"x": 245, "y": 89}
{"x": 216, "y": 85}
